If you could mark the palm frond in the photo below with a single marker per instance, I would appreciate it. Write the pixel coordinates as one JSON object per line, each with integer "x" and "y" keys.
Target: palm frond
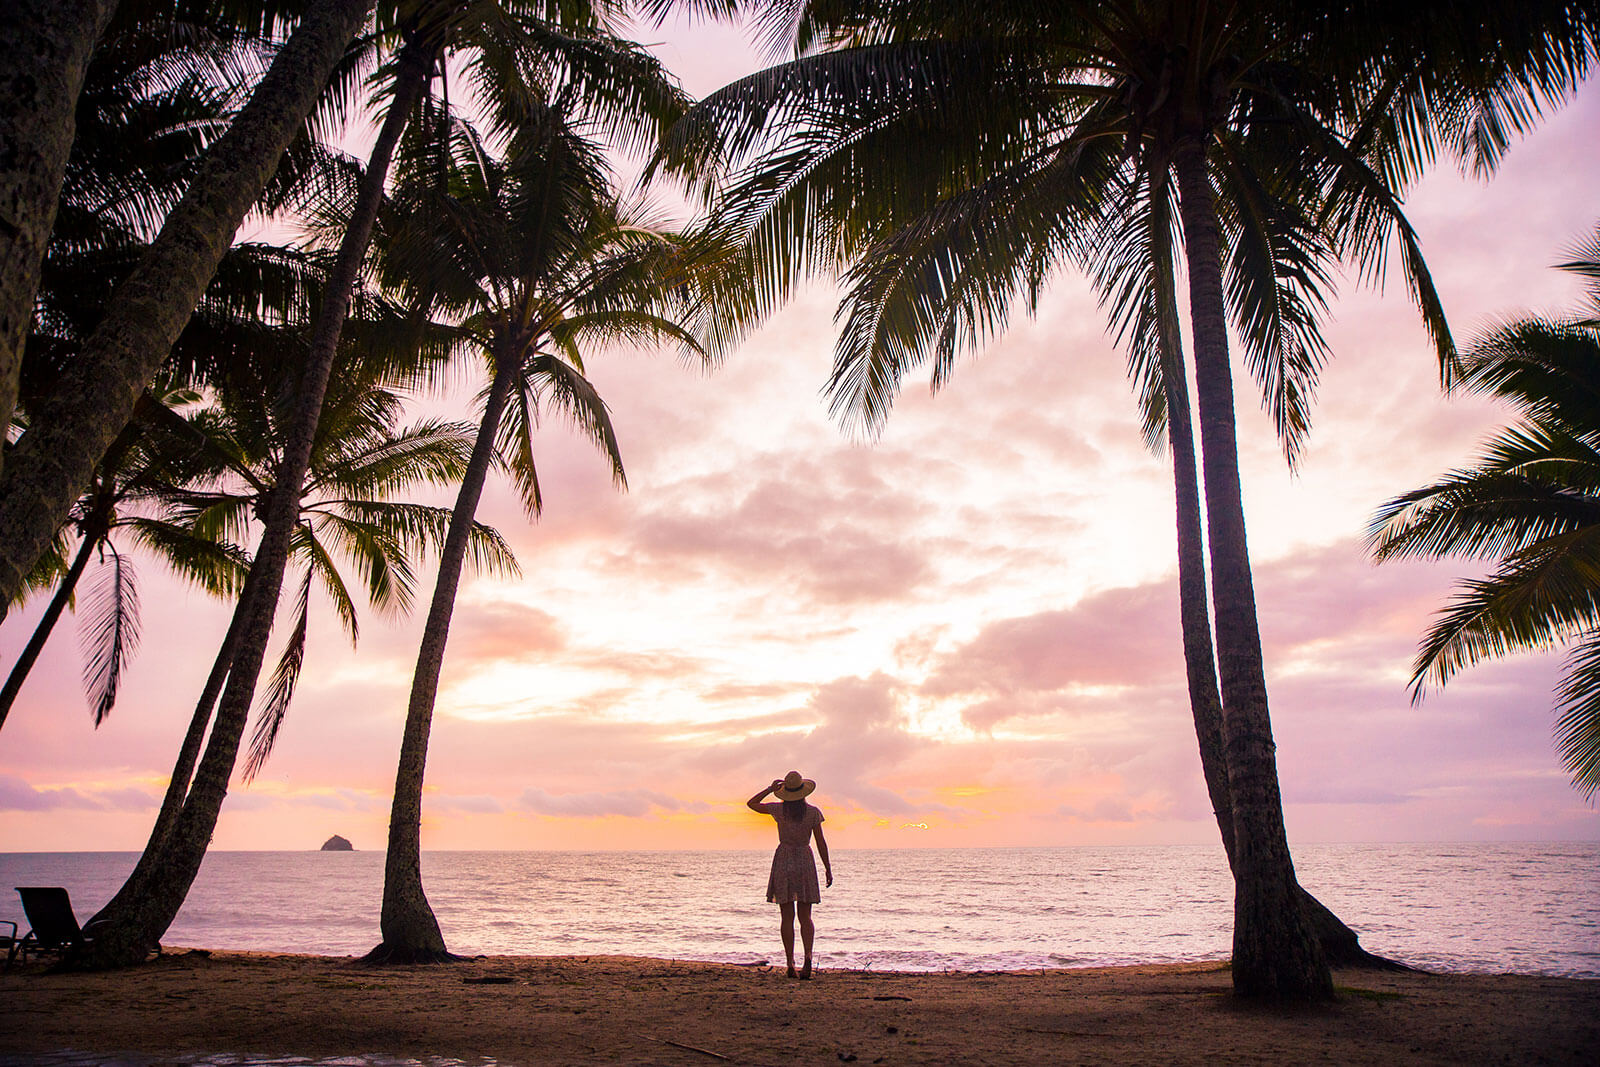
{"x": 274, "y": 707}
{"x": 1578, "y": 711}
{"x": 564, "y": 387}
{"x": 1533, "y": 601}
{"x": 308, "y": 547}
{"x": 418, "y": 528}
{"x": 218, "y": 568}
{"x": 1532, "y": 483}
{"x": 431, "y": 452}
{"x": 110, "y": 632}
{"x": 945, "y": 282}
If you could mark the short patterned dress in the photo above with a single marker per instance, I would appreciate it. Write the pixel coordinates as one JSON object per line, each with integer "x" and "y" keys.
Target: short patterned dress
{"x": 794, "y": 871}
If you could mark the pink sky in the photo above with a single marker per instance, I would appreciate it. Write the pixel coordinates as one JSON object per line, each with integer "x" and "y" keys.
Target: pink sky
{"x": 966, "y": 631}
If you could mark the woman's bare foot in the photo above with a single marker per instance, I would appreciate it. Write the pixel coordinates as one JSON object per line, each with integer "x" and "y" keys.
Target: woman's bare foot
{"x": 805, "y": 972}
{"x": 792, "y": 974}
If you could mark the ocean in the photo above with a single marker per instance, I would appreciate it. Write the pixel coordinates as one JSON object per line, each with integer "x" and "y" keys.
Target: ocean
{"x": 1524, "y": 908}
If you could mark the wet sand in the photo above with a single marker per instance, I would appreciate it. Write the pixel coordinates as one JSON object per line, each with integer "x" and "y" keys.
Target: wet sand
{"x": 536, "y": 1010}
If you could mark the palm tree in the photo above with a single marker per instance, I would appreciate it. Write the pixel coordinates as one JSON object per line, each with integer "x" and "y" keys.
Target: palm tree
{"x": 534, "y": 262}
{"x": 362, "y": 459}
{"x": 140, "y": 470}
{"x": 1132, "y": 267}
{"x": 948, "y": 157}
{"x": 1530, "y": 504}
{"x": 516, "y": 49}
{"x": 158, "y": 89}
{"x": 50, "y": 465}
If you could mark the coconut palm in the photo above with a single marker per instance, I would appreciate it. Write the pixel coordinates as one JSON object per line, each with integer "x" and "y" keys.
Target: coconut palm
{"x": 946, "y": 158}
{"x": 514, "y": 50}
{"x": 159, "y": 88}
{"x": 1132, "y": 265}
{"x": 1530, "y": 505}
{"x": 535, "y": 262}
{"x": 363, "y": 458}
{"x": 139, "y": 471}
{"x": 50, "y": 465}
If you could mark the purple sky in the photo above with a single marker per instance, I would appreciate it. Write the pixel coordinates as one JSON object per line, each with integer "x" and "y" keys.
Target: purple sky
{"x": 966, "y": 630}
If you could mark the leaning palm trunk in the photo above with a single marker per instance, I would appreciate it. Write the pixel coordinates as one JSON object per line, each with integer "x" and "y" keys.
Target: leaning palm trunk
{"x": 410, "y": 931}
{"x": 94, "y": 399}
{"x": 1275, "y": 953}
{"x": 138, "y": 926}
{"x": 44, "y": 51}
{"x": 1199, "y": 658}
{"x": 47, "y": 622}
{"x": 133, "y": 886}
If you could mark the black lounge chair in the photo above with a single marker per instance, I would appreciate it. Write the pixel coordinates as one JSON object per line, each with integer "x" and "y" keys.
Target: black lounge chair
{"x": 55, "y": 928}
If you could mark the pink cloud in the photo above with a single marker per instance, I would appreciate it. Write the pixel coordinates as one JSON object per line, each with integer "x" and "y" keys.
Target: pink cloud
{"x": 485, "y": 631}
{"x": 773, "y": 531}
{"x": 628, "y": 802}
{"x": 1121, "y": 636}
{"x": 17, "y": 795}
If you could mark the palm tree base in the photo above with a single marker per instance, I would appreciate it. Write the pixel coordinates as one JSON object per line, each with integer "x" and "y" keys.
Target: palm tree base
{"x": 115, "y": 946}
{"x": 386, "y": 953}
{"x": 1340, "y": 944}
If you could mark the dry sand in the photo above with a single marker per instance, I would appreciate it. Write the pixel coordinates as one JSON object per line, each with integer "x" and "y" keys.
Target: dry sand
{"x": 535, "y": 1010}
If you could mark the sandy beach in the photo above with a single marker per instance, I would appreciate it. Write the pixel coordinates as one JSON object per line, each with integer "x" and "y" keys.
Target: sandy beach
{"x": 534, "y": 1010}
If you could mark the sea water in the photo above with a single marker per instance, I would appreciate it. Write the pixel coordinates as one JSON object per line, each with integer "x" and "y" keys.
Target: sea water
{"x": 1526, "y": 908}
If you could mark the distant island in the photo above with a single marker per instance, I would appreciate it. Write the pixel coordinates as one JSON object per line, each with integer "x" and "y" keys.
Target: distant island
{"x": 337, "y": 844}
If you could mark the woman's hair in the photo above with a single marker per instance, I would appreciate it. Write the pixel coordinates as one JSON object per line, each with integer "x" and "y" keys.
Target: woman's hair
{"x": 794, "y": 809}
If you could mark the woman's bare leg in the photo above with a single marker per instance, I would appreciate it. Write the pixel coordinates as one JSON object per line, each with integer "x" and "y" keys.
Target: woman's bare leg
{"x": 787, "y": 909}
{"x": 807, "y": 932}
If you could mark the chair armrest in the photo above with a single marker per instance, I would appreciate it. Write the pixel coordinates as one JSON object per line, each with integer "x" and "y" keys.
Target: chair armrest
{"x": 12, "y": 936}
{"x": 94, "y": 924}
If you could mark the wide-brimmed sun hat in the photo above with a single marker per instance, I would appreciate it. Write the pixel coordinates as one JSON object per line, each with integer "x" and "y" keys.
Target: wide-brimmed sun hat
{"x": 794, "y": 787}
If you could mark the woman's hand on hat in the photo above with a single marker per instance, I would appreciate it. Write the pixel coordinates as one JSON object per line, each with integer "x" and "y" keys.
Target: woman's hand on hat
{"x": 777, "y": 784}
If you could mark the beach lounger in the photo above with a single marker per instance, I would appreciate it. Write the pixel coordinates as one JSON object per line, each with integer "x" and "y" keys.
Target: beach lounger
{"x": 55, "y": 928}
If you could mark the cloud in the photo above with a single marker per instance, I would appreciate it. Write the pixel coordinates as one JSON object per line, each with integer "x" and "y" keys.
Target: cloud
{"x": 1107, "y": 809}
{"x": 268, "y": 796}
{"x": 627, "y": 802}
{"x": 852, "y": 731}
{"x": 17, "y": 795}
{"x": 833, "y": 532}
{"x": 484, "y": 631}
{"x": 473, "y": 804}
{"x": 1118, "y": 637}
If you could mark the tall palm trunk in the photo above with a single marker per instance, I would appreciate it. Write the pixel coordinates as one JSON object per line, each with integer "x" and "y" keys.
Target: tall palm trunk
{"x": 93, "y": 400}
{"x": 45, "y": 47}
{"x": 1340, "y": 944}
{"x": 1275, "y": 953}
{"x": 1199, "y": 658}
{"x": 410, "y": 931}
{"x": 138, "y": 927}
{"x": 47, "y": 622}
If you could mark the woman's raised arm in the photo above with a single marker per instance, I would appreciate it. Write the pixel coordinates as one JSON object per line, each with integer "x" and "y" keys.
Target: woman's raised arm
{"x": 754, "y": 803}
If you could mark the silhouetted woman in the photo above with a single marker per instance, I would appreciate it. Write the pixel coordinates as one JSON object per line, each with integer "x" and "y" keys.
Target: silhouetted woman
{"x": 793, "y": 882}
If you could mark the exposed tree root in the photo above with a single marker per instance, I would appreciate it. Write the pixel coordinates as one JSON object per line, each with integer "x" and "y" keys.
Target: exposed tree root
{"x": 1340, "y": 944}
{"x": 386, "y": 954}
